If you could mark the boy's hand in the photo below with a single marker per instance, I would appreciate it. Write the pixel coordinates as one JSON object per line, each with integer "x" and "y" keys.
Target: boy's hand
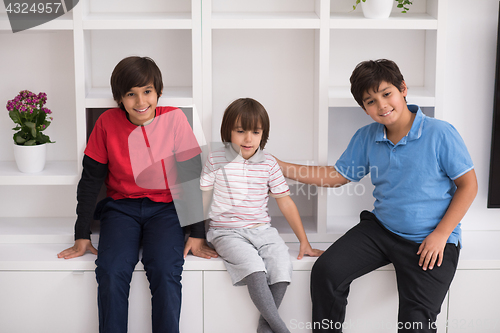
{"x": 306, "y": 249}
{"x": 432, "y": 250}
{"x": 81, "y": 246}
{"x": 199, "y": 248}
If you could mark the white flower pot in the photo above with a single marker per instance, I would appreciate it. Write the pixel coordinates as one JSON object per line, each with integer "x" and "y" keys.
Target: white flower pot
{"x": 30, "y": 159}
{"x": 377, "y": 9}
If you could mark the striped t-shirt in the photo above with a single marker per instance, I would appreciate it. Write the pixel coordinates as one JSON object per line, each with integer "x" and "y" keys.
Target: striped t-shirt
{"x": 241, "y": 187}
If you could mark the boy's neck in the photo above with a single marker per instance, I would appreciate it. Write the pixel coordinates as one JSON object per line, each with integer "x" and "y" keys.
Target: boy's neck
{"x": 400, "y": 129}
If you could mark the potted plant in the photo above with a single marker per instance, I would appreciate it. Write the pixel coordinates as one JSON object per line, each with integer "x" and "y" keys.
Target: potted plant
{"x": 31, "y": 118}
{"x": 381, "y": 8}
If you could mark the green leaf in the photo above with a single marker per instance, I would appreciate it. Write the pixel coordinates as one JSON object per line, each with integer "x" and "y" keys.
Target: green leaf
{"x": 15, "y": 116}
{"x": 40, "y": 118}
{"x": 30, "y": 143}
{"x": 32, "y": 128}
{"x": 42, "y": 138}
{"x": 18, "y": 138}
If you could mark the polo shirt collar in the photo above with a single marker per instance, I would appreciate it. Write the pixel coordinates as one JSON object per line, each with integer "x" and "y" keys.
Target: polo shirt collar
{"x": 415, "y": 131}
{"x": 232, "y": 155}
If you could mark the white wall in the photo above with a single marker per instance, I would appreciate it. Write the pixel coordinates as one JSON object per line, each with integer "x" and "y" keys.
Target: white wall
{"x": 470, "y": 70}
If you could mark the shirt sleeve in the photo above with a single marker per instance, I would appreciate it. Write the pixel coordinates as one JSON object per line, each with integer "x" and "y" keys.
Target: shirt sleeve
{"x": 277, "y": 184}
{"x": 353, "y": 164}
{"x": 96, "y": 145}
{"x": 93, "y": 176}
{"x": 207, "y": 179}
{"x": 453, "y": 157}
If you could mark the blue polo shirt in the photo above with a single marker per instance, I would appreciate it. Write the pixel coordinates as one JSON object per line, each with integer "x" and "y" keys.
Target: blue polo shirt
{"x": 414, "y": 178}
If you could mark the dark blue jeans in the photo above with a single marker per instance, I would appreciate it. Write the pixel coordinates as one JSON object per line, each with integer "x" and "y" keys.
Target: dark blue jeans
{"x": 126, "y": 226}
{"x": 364, "y": 248}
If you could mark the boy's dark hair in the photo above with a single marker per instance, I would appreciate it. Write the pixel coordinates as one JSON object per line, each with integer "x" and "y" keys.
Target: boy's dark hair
{"x": 368, "y": 75}
{"x": 250, "y": 113}
{"x": 134, "y": 72}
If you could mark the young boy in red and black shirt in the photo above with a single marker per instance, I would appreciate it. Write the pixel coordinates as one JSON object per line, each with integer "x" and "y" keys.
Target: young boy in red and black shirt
{"x": 140, "y": 151}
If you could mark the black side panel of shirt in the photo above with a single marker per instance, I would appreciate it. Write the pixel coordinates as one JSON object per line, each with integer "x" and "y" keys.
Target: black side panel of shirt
{"x": 93, "y": 176}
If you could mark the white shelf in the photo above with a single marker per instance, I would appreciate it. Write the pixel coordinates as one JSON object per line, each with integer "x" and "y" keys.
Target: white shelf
{"x": 172, "y": 96}
{"x": 294, "y": 20}
{"x": 396, "y": 21}
{"x": 54, "y": 173}
{"x": 64, "y": 22}
{"x": 342, "y": 97}
{"x": 286, "y": 232}
{"x": 481, "y": 251}
{"x": 43, "y": 257}
{"x": 46, "y": 230}
{"x": 295, "y": 57}
{"x": 4, "y": 22}
{"x": 120, "y": 21}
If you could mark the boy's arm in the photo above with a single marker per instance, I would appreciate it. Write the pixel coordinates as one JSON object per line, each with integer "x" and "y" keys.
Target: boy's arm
{"x": 207, "y": 201}
{"x": 432, "y": 248}
{"x": 191, "y": 206}
{"x": 289, "y": 210}
{"x": 198, "y": 246}
{"x": 315, "y": 175}
{"x": 93, "y": 176}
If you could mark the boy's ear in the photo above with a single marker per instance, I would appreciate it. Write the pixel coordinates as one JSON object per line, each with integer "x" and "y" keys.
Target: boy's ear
{"x": 404, "y": 89}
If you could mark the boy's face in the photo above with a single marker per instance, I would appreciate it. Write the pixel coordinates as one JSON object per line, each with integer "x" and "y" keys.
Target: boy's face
{"x": 387, "y": 105}
{"x": 244, "y": 142}
{"x": 140, "y": 103}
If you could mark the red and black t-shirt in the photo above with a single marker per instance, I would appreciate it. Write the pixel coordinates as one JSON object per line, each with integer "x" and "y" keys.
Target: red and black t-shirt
{"x": 141, "y": 159}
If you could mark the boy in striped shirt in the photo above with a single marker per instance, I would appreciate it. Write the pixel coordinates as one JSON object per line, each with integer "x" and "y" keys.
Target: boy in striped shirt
{"x": 237, "y": 181}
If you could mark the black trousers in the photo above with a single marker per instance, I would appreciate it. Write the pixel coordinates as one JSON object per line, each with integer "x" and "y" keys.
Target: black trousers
{"x": 364, "y": 248}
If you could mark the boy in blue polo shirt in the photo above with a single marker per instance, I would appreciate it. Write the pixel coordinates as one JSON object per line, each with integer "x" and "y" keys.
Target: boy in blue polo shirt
{"x": 424, "y": 184}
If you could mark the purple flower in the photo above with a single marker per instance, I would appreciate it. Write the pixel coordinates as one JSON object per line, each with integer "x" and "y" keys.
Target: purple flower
{"x": 30, "y": 106}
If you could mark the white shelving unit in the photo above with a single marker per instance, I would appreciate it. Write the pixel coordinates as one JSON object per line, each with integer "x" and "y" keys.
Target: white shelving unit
{"x": 295, "y": 57}
{"x": 415, "y": 41}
